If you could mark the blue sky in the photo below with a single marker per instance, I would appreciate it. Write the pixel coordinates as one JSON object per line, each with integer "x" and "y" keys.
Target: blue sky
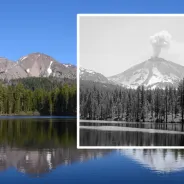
{"x": 50, "y": 26}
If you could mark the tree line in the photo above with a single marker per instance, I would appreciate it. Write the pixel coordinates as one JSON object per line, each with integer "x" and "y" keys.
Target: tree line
{"x": 25, "y": 99}
{"x": 109, "y": 102}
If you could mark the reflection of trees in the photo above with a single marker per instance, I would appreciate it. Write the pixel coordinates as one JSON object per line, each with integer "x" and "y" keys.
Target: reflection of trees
{"x": 37, "y": 133}
{"x": 36, "y": 146}
{"x": 123, "y": 138}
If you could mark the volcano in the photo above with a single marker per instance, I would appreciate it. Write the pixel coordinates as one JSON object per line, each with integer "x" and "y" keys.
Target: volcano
{"x": 35, "y": 65}
{"x": 152, "y": 73}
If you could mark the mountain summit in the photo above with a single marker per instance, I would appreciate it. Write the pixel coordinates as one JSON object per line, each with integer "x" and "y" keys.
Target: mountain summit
{"x": 154, "y": 72}
{"x": 35, "y": 65}
{"x": 91, "y": 75}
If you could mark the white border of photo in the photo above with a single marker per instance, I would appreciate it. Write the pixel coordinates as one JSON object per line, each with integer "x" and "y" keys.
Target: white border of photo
{"x": 78, "y": 84}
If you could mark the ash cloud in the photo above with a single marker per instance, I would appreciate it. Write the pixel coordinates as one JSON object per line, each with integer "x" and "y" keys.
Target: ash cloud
{"x": 160, "y": 40}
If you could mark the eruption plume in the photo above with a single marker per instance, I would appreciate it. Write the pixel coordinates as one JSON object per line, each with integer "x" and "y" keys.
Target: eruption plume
{"x": 160, "y": 40}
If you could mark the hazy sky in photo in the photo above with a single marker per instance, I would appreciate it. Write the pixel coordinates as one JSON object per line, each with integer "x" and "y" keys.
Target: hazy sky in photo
{"x": 112, "y": 44}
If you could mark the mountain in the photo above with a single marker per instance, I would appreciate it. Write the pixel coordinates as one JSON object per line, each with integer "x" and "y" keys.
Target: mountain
{"x": 39, "y": 162}
{"x": 91, "y": 75}
{"x": 35, "y": 65}
{"x": 162, "y": 161}
{"x": 10, "y": 70}
{"x": 155, "y": 72}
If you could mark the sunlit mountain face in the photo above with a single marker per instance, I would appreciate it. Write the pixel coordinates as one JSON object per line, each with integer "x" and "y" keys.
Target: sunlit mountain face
{"x": 35, "y": 65}
{"x": 158, "y": 160}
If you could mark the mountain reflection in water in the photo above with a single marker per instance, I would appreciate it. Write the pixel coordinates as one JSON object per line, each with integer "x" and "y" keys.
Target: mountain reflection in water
{"x": 163, "y": 161}
{"x": 37, "y": 146}
{"x": 39, "y": 162}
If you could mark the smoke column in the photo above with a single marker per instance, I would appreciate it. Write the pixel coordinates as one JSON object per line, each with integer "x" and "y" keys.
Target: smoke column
{"x": 160, "y": 40}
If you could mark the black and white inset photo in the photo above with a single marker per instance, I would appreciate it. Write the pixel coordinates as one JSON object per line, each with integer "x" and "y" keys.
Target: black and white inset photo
{"x": 131, "y": 81}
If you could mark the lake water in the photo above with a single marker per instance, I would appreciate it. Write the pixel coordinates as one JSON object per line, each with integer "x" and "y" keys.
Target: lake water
{"x": 113, "y": 133}
{"x": 43, "y": 150}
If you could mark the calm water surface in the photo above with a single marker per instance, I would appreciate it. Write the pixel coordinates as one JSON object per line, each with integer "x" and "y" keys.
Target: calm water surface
{"x": 43, "y": 150}
{"x": 104, "y": 133}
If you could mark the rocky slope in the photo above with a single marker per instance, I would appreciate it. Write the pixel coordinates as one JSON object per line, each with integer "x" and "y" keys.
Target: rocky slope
{"x": 35, "y": 65}
{"x": 91, "y": 75}
{"x": 155, "y": 72}
{"x": 11, "y": 70}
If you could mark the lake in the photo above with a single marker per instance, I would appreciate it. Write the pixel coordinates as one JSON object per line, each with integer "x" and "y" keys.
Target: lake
{"x": 43, "y": 150}
{"x": 114, "y": 133}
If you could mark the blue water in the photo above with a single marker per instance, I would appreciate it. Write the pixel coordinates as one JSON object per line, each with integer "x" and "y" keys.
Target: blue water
{"x": 113, "y": 168}
{"x": 44, "y": 151}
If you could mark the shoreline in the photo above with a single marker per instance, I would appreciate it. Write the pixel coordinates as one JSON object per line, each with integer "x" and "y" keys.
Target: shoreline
{"x": 128, "y": 122}
{"x": 130, "y": 129}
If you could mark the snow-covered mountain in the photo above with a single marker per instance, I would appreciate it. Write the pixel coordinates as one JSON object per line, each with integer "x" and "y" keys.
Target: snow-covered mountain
{"x": 152, "y": 73}
{"x": 163, "y": 161}
{"x": 91, "y": 75}
{"x": 35, "y": 65}
{"x": 155, "y": 72}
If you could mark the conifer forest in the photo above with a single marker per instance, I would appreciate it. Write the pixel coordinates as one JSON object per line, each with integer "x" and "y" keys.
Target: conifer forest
{"x": 110, "y": 102}
{"x": 39, "y": 96}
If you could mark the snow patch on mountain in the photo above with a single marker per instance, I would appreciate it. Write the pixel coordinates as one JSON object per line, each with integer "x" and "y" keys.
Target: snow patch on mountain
{"x": 49, "y": 70}
{"x": 35, "y": 65}
{"x": 86, "y": 74}
{"x": 82, "y": 70}
{"x": 28, "y": 70}
{"x": 22, "y": 58}
{"x": 151, "y": 73}
{"x": 67, "y": 65}
{"x": 157, "y": 160}
{"x": 139, "y": 76}
{"x": 158, "y": 77}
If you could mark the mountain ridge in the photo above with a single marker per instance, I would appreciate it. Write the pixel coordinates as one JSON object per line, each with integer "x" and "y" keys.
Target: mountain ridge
{"x": 152, "y": 73}
{"x": 91, "y": 75}
{"x": 35, "y": 64}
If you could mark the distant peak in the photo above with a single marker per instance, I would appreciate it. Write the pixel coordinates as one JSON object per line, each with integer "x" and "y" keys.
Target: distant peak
{"x": 156, "y": 59}
{"x": 37, "y": 53}
{"x": 2, "y": 57}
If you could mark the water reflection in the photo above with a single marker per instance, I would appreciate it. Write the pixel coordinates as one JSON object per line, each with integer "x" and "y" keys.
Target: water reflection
{"x": 38, "y": 162}
{"x": 92, "y": 137}
{"x": 163, "y": 161}
{"x": 37, "y": 146}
